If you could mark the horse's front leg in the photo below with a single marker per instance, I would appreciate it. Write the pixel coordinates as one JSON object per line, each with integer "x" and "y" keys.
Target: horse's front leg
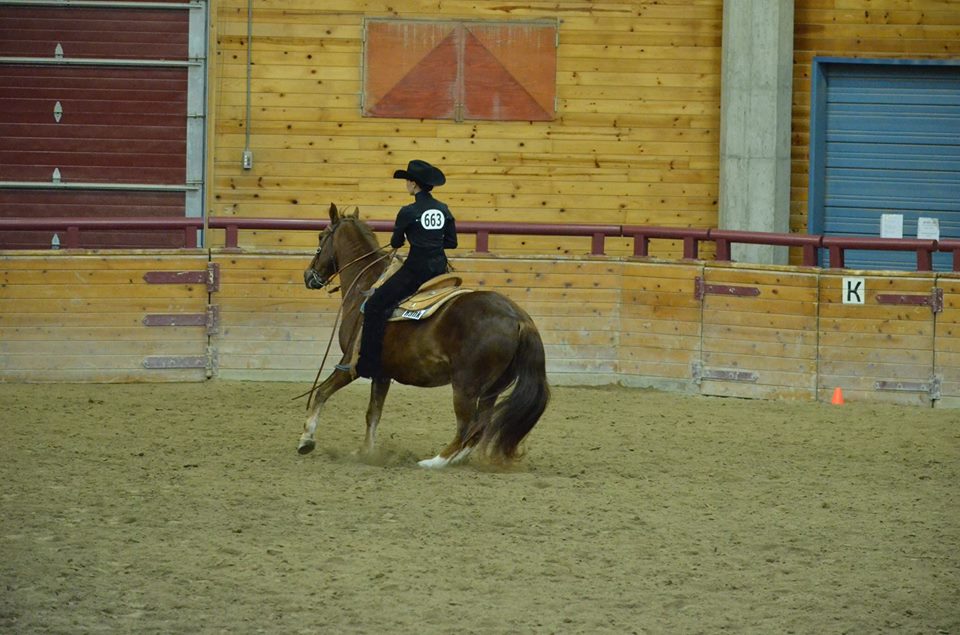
{"x": 378, "y": 393}
{"x": 337, "y": 380}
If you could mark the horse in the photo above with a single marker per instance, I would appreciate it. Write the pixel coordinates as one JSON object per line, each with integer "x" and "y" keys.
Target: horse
{"x": 481, "y": 343}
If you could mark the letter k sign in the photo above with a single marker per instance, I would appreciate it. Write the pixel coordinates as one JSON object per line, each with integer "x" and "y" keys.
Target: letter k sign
{"x": 854, "y": 290}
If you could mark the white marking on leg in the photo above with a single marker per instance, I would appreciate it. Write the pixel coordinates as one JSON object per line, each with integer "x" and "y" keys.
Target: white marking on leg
{"x": 309, "y": 430}
{"x": 435, "y": 463}
{"x": 461, "y": 455}
{"x": 311, "y": 427}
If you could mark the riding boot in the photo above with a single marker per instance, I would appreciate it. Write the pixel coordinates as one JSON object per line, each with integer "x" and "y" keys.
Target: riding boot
{"x": 371, "y": 346}
{"x": 376, "y": 311}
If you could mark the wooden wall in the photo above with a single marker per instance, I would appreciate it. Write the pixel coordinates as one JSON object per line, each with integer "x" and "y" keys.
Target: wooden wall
{"x": 635, "y": 141}
{"x": 693, "y": 326}
{"x": 759, "y": 332}
{"x": 104, "y": 318}
{"x": 661, "y": 334}
{"x": 716, "y": 329}
{"x": 897, "y": 29}
{"x": 946, "y": 344}
{"x": 271, "y": 326}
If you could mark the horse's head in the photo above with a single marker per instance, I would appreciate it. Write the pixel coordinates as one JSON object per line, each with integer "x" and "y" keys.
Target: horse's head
{"x": 324, "y": 265}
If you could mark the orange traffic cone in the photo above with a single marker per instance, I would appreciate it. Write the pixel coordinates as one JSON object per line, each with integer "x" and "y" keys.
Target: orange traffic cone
{"x": 837, "y": 397}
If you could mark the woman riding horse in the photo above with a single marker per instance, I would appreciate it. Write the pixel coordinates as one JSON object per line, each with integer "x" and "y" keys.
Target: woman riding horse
{"x": 429, "y": 226}
{"x": 479, "y": 342}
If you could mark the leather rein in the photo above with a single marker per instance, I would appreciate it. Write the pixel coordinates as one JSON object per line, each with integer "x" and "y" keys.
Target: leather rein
{"x": 390, "y": 254}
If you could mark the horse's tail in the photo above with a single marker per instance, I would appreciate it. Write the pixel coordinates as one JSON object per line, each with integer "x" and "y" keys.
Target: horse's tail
{"x": 514, "y": 416}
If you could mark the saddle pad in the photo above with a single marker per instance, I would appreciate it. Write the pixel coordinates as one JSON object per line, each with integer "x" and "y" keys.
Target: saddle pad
{"x": 423, "y": 304}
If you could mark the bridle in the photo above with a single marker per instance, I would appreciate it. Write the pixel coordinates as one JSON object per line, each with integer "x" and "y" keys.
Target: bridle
{"x": 320, "y": 283}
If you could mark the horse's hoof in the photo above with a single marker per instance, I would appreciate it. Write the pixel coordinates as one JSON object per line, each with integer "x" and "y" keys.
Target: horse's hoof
{"x": 306, "y": 447}
{"x": 435, "y": 463}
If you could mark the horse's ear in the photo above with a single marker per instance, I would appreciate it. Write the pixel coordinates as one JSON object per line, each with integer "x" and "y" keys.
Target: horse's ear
{"x": 356, "y": 213}
{"x": 334, "y": 214}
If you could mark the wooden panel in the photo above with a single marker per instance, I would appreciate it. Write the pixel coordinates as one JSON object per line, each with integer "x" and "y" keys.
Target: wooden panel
{"x": 635, "y": 138}
{"x": 81, "y": 318}
{"x": 756, "y": 333}
{"x": 66, "y": 317}
{"x": 271, "y": 326}
{"x": 947, "y": 342}
{"x": 509, "y": 71}
{"x": 410, "y": 69}
{"x": 660, "y": 325}
{"x": 863, "y": 347}
{"x": 581, "y": 344}
{"x": 493, "y": 70}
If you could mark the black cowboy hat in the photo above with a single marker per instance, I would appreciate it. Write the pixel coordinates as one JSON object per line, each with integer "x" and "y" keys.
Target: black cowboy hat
{"x": 421, "y": 172}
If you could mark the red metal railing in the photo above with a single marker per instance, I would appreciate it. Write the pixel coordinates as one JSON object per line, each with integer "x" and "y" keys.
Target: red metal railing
{"x": 641, "y": 235}
{"x": 809, "y": 243}
{"x": 481, "y": 229}
{"x": 691, "y": 238}
{"x": 71, "y": 227}
{"x": 923, "y": 248}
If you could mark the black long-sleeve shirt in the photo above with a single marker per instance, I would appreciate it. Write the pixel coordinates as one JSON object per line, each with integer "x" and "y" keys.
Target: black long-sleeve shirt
{"x": 430, "y": 227}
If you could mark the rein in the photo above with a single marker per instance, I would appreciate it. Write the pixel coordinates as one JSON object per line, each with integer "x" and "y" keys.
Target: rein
{"x": 390, "y": 254}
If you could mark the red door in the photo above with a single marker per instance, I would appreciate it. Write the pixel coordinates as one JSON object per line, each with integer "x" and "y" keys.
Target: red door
{"x": 94, "y": 118}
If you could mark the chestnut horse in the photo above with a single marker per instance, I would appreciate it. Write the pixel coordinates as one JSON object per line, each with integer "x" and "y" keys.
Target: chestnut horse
{"x": 481, "y": 343}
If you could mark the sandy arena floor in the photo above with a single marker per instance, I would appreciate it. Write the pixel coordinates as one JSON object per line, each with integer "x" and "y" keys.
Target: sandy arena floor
{"x": 186, "y": 509}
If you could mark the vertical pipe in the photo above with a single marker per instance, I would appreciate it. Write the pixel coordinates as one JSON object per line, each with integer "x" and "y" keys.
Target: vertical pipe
{"x": 640, "y": 245}
{"x": 723, "y": 249}
{"x": 247, "y": 160}
{"x": 596, "y": 247}
{"x": 483, "y": 245}
{"x": 232, "y": 240}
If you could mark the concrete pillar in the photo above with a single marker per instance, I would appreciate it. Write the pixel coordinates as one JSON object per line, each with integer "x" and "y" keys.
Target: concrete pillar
{"x": 755, "y": 110}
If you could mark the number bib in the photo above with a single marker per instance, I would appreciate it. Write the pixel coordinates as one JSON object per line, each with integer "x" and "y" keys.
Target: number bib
{"x": 432, "y": 219}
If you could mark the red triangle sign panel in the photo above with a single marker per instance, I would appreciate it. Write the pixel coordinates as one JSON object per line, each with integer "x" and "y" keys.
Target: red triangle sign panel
{"x": 425, "y": 70}
{"x": 427, "y": 91}
{"x": 492, "y": 92}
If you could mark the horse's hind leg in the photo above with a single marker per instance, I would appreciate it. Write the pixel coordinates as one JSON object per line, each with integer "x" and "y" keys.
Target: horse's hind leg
{"x": 378, "y": 393}
{"x": 468, "y": 433}
{"x": 337, "y": 380}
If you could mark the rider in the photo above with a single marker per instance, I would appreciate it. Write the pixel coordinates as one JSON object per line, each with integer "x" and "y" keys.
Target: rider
{"x": 430, "y": 227}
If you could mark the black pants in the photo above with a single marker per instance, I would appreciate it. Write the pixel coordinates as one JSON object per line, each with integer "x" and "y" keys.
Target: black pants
{"x": 377, "y": 311}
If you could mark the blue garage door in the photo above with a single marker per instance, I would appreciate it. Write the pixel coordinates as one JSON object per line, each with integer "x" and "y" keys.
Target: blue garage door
{"x": 885, "y": 139}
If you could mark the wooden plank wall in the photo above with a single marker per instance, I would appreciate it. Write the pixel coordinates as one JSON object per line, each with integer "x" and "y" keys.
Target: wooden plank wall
{"x": 272, "y": 328}
{"x": 75, "y": 318}
{"x": 638, "y": 322}
{"x": 896, "y": 29}
{"x": 946, "y": 344}
{"x": 759, "y": 333}
{"x": 575, "y": 304}
{"x": 877, "y": 351}
{"x": 660, "y": 325}
{"x": 636, "y": 139}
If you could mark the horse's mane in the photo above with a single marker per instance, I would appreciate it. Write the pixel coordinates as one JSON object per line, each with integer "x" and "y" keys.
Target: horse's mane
{"x": 364, "y": 230}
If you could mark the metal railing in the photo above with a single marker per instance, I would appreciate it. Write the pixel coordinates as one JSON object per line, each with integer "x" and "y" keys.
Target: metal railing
{"x": 71, "y": 227}
{"x": 691, "y": 237}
